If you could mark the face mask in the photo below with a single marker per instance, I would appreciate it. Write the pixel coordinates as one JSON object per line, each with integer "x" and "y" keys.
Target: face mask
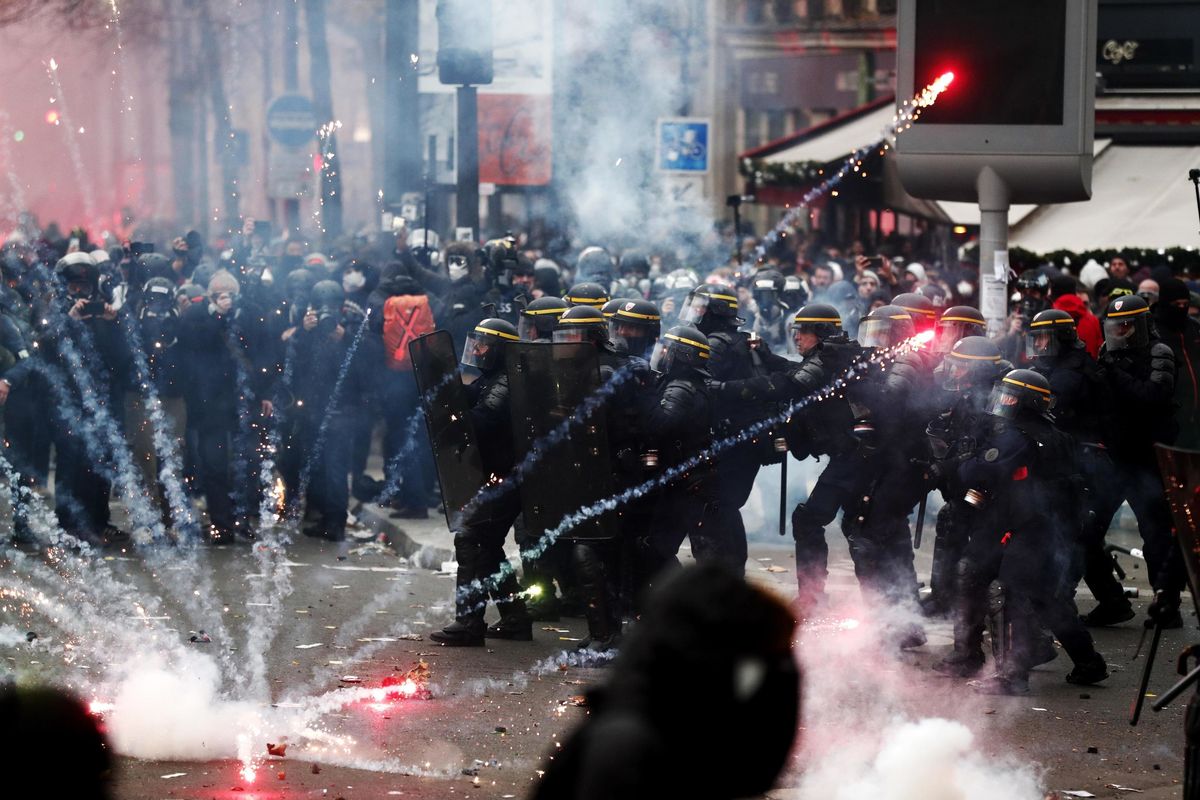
{"x": 223, "y": 303}
{"x": 458, "y": 271}
{"x": 353, "y": 281}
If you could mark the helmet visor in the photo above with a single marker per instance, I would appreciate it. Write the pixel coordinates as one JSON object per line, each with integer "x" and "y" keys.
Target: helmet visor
{"x": 1005, "y": 401}
{"x": 693, "y": 309}
{"x": 1124, "y": 333}
{"x": 957, "y": 376}
{"x": 1042, "y": 344}
{"x": 876, "y": 333}
{"x": 636, "y": 340}
{"x": 663, "y": 358}
{"x": 527, "y": 329}
{"x": 570, "y": 335}
{"x": 949, "y": 332}
{"x": 480, "y": 352}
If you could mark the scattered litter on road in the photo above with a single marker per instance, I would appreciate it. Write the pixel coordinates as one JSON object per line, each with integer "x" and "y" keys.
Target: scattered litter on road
{"x": 1075, "y": 793}
{"x": 1035, "y": 708}
{"x": 1119, "y": 788}
{"x": 274, "y": 749}
{"x": 200, "y": 637}
{"x": 171, "y": 775}
{"x": 774, "y": 568}
{"x": 308, "y": 646}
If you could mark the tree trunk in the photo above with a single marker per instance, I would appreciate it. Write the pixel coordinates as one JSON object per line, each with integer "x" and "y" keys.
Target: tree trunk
{"x": 223, "y": 133}
{"x": 181, "y": 118}
{"x": 401, "y": 134}
{"x": 319, "y": 78}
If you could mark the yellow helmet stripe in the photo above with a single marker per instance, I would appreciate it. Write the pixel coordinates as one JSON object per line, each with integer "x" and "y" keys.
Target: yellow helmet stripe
{"x": 964, "y": 319}
{"x": 501, "y": 334}
{"x": 623, "y": 313}
{"x": 929, "y": 312}
{"x": 703, "y": 347}
{"x": 1130, "y": 313}
{"x": 834, "y": 320}
{"x": 586, "y": 301}
{"x": 974, "y": 358}
{"x": 1052, "y": 322}
{"x": 1016, "y": 382}
{"x": 727, "y": 297}
{"x": 541, "y": 311}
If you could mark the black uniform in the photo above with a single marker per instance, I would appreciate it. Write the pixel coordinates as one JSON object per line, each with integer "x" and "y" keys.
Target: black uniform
{"x": 479, "y": 542}
{"x": 675, "y": 415}
{"x": 1142, "y": 385}
{"x": 1018, "y": 563}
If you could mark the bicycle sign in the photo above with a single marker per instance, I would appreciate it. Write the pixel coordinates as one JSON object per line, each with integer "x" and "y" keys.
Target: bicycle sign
{"x": 683, "y": 144}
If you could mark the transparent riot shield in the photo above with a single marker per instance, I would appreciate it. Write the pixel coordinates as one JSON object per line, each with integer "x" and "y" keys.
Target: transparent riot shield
{"x": 547, "y": 383}
{"x": 448, "y": 420}
{"x": 1181, "y": 478}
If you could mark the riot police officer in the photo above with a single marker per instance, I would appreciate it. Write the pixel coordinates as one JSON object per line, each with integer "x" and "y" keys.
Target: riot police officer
{"x": 539, "y": 318}
{"x": 675, "y": 415}
{"x": 955, "y": 323}
{"x": 891, "y": 411}
{"x": 965, "y": 377}
{"x": 587, "y": 294}
{"x": 1016, "y": 572}
{"x": 634, "y": 327}
{"x": 713, "y": 310}
{"x": 1140, "y": 372}
{"x": 479, "y": 537}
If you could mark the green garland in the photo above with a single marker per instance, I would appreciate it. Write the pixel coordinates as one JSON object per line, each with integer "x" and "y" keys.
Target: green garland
{"x": 1179, "y": 259}
{"x": 792, "y": 173}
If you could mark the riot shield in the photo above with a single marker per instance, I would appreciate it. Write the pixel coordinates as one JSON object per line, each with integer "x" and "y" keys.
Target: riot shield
{"x": 448, "y": 420}
{"x": 546, "y": 384}
{"x": 1181, "y": 478}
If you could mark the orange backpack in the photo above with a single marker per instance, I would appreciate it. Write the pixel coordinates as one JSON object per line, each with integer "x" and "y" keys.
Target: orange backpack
{"x": 405, "y": 317}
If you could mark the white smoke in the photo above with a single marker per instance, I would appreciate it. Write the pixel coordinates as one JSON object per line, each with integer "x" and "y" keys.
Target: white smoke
{"x": 876, "y": 726}
{"x": 175, "y": 711}
{"x": 628, "y": 64}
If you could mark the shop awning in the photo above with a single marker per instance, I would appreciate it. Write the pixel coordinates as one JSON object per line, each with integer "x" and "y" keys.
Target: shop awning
{"x": 1141, "y": 198}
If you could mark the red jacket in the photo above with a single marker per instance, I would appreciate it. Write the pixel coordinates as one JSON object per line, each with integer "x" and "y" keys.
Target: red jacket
{"x": 1086, "y": 324}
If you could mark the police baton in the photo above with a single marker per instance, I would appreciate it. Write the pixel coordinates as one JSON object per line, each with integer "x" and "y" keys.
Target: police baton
{"x": 920, "y": 522}
{"x": 783, "y": 495}
{"x": 1135, "y": 712}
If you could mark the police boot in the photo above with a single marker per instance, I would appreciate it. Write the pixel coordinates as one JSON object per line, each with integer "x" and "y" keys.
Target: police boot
{"x": 1013, "y": 684}
{"x": 515, "y": 623}
{"x": 1089, "y": 672}
{"x": 963, "y": 664}
{"x": 468, "y": 627}
{"x": 460, "y": 633}
{"x": 1107, "y": 614}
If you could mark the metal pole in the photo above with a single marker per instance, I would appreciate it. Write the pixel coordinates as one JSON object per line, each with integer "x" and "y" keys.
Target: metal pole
{"x": 993, "y": 238}
{"x": 468, "y": 160}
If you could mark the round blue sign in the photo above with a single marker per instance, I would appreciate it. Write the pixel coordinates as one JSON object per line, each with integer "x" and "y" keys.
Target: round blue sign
{"x": 291, "y": 120}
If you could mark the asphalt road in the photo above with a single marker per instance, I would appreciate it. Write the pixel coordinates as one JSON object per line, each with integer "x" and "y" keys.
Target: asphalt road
{"x": 495, "y": 715}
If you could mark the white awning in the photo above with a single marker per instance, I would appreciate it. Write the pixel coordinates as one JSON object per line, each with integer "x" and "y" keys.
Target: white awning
{"x": 1141, "y": 197}
{"x": 839, "y": 141}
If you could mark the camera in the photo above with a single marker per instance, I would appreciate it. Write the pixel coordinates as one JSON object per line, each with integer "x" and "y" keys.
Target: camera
{"x": 140, "y": 249}
{"x": 93, "y": 308}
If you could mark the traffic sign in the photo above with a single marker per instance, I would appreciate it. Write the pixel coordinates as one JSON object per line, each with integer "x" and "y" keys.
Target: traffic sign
{"x": 291, "y": 120}
{"x": 683, "y": 144}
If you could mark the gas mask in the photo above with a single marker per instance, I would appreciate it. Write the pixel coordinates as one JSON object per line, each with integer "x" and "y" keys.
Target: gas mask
{"x": 353, "y": 280}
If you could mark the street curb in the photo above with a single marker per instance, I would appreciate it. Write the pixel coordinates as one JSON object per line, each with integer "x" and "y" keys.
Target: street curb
{"x": 421, "y": 554}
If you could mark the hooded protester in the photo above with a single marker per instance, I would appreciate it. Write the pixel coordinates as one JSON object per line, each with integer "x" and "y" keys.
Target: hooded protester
{"x": 1064, "y": 297}
{"x": 1182, "y": 334}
